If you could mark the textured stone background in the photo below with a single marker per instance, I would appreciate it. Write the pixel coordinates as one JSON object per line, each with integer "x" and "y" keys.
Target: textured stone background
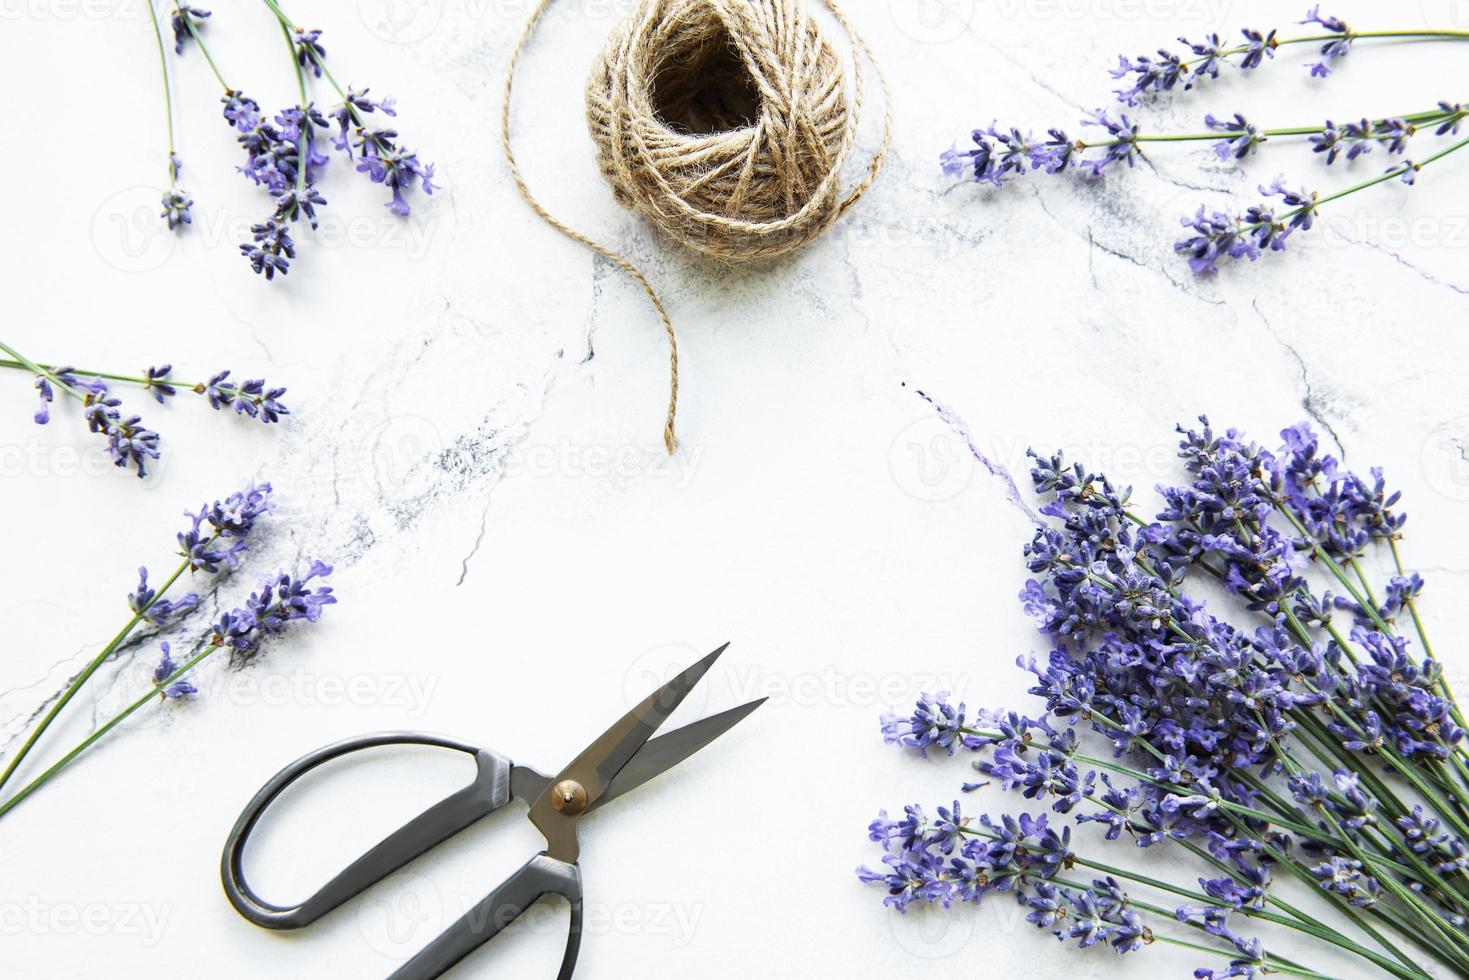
{"x": 475, "y": 445}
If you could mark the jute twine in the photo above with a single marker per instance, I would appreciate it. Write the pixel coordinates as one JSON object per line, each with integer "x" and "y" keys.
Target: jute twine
{"x": 726, "y": 123}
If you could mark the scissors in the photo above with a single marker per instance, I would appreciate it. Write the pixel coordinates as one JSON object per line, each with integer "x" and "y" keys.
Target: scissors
{"x": 622, "y": 758}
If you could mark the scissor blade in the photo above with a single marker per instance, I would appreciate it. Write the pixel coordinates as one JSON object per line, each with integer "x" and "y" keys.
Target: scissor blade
{"x": 666, "y": 751}
{"x": 600, "y": 762}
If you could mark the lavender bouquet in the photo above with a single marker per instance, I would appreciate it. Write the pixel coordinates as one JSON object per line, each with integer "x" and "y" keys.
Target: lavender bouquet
{"x": 283, "y": 154}
{"x": 212, "y": 546}
{"x": 1001, "y": 153}
{"x": 1306, "y": 754}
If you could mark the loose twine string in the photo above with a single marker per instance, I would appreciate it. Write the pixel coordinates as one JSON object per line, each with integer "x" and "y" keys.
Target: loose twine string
{"x": 726, "y": 123}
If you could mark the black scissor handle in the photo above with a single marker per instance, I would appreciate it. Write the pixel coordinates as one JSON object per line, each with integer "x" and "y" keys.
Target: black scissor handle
{"x": 542, "y": 875}
{"x": 489, "y": 791}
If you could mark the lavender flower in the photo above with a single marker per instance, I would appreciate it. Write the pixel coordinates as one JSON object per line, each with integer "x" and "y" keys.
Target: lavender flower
{"x": 155, "y": 382}
{"x": 250, "y": 398}
{"x": 43, "y": 389}
{"x": 166, "y": 668}
{"x": 176, "y": 205}
{"x": 240, "y": 111}
{"x": 1334, "y": 49}
{"x": 1244, "y": 137}
{"x": 145, "y": 602}
{"x": 272, "y": 249}
{"x": 183, "y": 18}
{"x": 1217, "y": 235}
{"x": 283, "y": 600}
{"x": 309, "y": 52}
{"x": 216, "y": 535}
{"x": 1123, "y": 145}
{"x": 378, "y": 153}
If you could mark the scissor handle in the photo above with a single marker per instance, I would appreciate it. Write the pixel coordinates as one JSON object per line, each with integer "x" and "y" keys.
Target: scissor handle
{"x": 489, "y": 791}
{"x": 542, "y": 875}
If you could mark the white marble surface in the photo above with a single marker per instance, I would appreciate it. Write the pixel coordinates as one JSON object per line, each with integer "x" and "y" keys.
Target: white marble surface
{"x": 461, "y": 382}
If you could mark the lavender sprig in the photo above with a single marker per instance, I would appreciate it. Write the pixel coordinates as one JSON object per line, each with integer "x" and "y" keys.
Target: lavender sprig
{"x": 176, "y": 201}
{"x": 1216, "y": 235}
{"x": 252, "y": 398}
{"x": 1166, "y": 71}
{"x": 281, "y": 601}
{"x": 129, "y": 443}
{"x": 216, "y": 537}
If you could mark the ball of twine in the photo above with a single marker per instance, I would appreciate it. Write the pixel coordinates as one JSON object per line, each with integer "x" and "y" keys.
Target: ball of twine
{"x": 726, "y": 123}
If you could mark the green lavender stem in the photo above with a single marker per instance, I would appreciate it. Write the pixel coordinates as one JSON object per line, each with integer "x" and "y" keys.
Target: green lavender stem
{"x": 288, "y": 25}
{"x": 40, "y": 370}
{"x": 173, "y": 173}
{"x": 87, "y": 672}
{"x": 203, "y": 48}
{"x": 90, "y": 740}
{"x": 1430, "y": 117}
{"x": 48, "y": 371}
{"x": 1316, "y": 931}
{"x": 1444, "y": 35}
{"x": 300, "y": 72}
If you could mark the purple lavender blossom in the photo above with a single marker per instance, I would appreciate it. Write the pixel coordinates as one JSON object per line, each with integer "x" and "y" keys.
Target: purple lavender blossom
{"x": 183, "y": 19}
{"x": 378, "y": 153}
{"x": 1217, "y": 235}
{"x": 272, "y": 249}
{"x": 250, "y": 398}
{"x": 166, "y": 668}
{"x": 176, "y": 205}
{"x": 216, "y": 535}
{"x": 1243, "y": 137}
{"x": 145, "y": 602}
{"x": 309, "y": 52}
{"x": 1122, "y": 147}
{"x": 1334, "y": 49}
{"x": 47, "y": 395}
{"x": 240, "y": 111}
{"x": 285, "y": 599}
{"x": 156, "y": 382}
